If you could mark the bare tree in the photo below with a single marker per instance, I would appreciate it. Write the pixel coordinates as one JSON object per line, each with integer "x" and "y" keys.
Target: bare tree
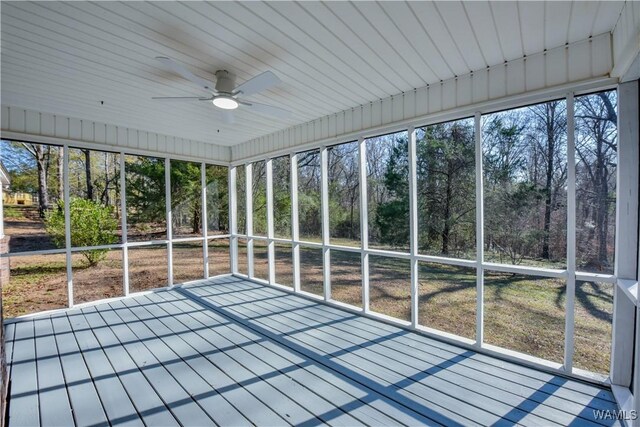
{"x": 40, "y": 154}
{"x": 596, "y": 148}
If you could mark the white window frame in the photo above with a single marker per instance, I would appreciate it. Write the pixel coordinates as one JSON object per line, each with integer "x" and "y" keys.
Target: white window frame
{"x": 124, "y": 246}
{"x": 569, "y": 274}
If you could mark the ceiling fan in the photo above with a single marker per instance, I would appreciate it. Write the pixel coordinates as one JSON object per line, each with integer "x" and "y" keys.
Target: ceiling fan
{"x": 225, "y": 95}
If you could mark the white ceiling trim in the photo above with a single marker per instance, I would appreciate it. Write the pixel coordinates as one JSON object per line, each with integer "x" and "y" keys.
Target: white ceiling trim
{"x": 626, "y": 41}
{"x": 34, "y": 126}
{"x": 65, "y": 57}
{"x": 566, "y": 65}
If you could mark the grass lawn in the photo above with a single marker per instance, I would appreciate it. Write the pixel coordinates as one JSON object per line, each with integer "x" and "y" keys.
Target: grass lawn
{"x": 522, "y": 313}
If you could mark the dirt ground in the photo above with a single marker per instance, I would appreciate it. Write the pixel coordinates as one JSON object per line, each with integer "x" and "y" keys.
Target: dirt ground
{"x": 39, "y": 282}
{"x": 522, "y": 313}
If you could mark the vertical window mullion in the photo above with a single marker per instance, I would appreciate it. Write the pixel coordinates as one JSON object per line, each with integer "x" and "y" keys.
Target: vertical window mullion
{"x": 248, "y": 177}
{"x": 270, "y": 228}
{"x": 167, "y": 192}
{"x": 571, "y": 236}
{"x": 123, "y": 219}
{"x": 413, "y": 224}
{"x": 204, "y": 222}
{"x": 626, "y": 239}
{"x": 324, "y": 203}
{"x": 295, "y": 229}
{"x": 364, "y": 221}
{"x": 233, "y": 218}
{"x": 479, "y": 232}
{"x": 67, "y": 223}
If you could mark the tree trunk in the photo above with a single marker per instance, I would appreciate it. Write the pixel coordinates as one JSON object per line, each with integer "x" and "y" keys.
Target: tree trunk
{"x": 87, "y": 168}
{"x": 602, "y": 194}
{"x": 550, "y": 119}
{"x": 60, "y": 173}
{"x": 446, "y": 230}
{"x": 43, "y": 190}
{"x": 196, "y": 218}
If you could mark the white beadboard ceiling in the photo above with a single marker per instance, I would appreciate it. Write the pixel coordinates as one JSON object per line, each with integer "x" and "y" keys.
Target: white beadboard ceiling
{"x": 67, "y": 57}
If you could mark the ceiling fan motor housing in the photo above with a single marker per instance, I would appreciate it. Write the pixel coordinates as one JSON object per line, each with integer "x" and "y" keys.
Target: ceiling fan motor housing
{"x": 225, "y": 82}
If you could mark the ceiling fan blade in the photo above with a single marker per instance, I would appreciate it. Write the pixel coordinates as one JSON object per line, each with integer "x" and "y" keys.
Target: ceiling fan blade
{"x": 228, "y": 117}
{"x": 270, "y": 110}
{"x": 257, "y": 84}
{"x": 180, "y": 98}
{"x": 184, "y": 72}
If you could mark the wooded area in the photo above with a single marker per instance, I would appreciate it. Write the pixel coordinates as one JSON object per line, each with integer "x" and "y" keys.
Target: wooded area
{"x": 524, "y": 175}
{"x": 525, "y": 185}
{"x": 96, "y": 219}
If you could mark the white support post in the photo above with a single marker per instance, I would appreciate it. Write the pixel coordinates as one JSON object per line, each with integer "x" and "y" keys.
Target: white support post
{"x": 123, "y": 219}
{"x": 571, "y": 236}
{"x": 67, "y": 222}
{"x": 167, "y": 194}
{"x": 364, "y": 221}
{"x": 413, "y": 224}
{"x": 1, "y": 208}
{"x": 479, "y": 233}
{"x": 233, "y": 218}
{"x": 204, "y": 221}
{"x": 324, "y": 196}
{"x": 622, "y": 357}
{"x": 271, "y": 250}
{"x": 248, "y": 179}
{"x": 636, "y": 371}
{"x": 295, "y": 230}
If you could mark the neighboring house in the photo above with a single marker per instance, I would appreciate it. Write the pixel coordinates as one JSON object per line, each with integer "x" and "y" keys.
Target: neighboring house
{"x": 23, "y": 199}
{"x": 9, "y": 198}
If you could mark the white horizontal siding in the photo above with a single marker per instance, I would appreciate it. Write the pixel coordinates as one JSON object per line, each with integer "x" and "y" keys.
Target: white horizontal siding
{"x": 626, "y": 39}
{"x": 18, "y": 123}
{"x": 576, "y": 62}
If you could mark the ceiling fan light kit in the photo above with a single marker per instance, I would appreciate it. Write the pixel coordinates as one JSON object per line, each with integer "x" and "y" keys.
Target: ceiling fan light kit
{"x": 226, "y": 94}
{"x": 225, "y": 102}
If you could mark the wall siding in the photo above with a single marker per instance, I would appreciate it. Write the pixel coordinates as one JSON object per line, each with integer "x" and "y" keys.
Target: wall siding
{"x": 580, "y": 61}
{"x": 36, "y": 126}
{"x": 626, "y": 39}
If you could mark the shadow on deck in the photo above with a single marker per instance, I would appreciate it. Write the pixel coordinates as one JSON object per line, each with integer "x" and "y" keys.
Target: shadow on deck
{"x": 227, "y": 351}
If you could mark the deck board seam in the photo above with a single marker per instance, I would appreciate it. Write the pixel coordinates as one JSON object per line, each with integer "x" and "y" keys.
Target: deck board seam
{"x": 189, "y": 301}
{"x": 275, "y": 370}
{"x": 312, "y": 332}
{"x": 200, "y": 355}
{"x": 113, "y": 369}
{"x": 522, "y": 370}
{"x": 139, "y": 369}
{"x": 91, "y": 380}
{"x": 386, "y": 344}
{"x": 403, "y": 400}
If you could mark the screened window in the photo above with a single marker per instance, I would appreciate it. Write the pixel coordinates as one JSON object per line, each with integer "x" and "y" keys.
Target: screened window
{"x": 146, "y": 198}
{"x": 525, "y": 178}
{"x": 282, "y": 196}
{"x": 446, "y": 189}
{"x": 596, "y": 168}
{"x": 344, "y": 194}
{"x": 186, "y": 199}
{"x": 259, "y": 192}
{"x": 241, "y": 200}
{"x": 388, "y": 191}
{"x": 217, "y": 179}
{"x": 36, "y": 188}
{"x": 309, "y": 200}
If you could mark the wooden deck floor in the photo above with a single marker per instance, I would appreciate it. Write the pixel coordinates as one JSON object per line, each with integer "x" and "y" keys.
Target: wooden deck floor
{"x": 231, "y": 352}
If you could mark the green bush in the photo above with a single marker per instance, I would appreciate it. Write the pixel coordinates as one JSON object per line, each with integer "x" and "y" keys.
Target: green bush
{"x": 92, "y": 224}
